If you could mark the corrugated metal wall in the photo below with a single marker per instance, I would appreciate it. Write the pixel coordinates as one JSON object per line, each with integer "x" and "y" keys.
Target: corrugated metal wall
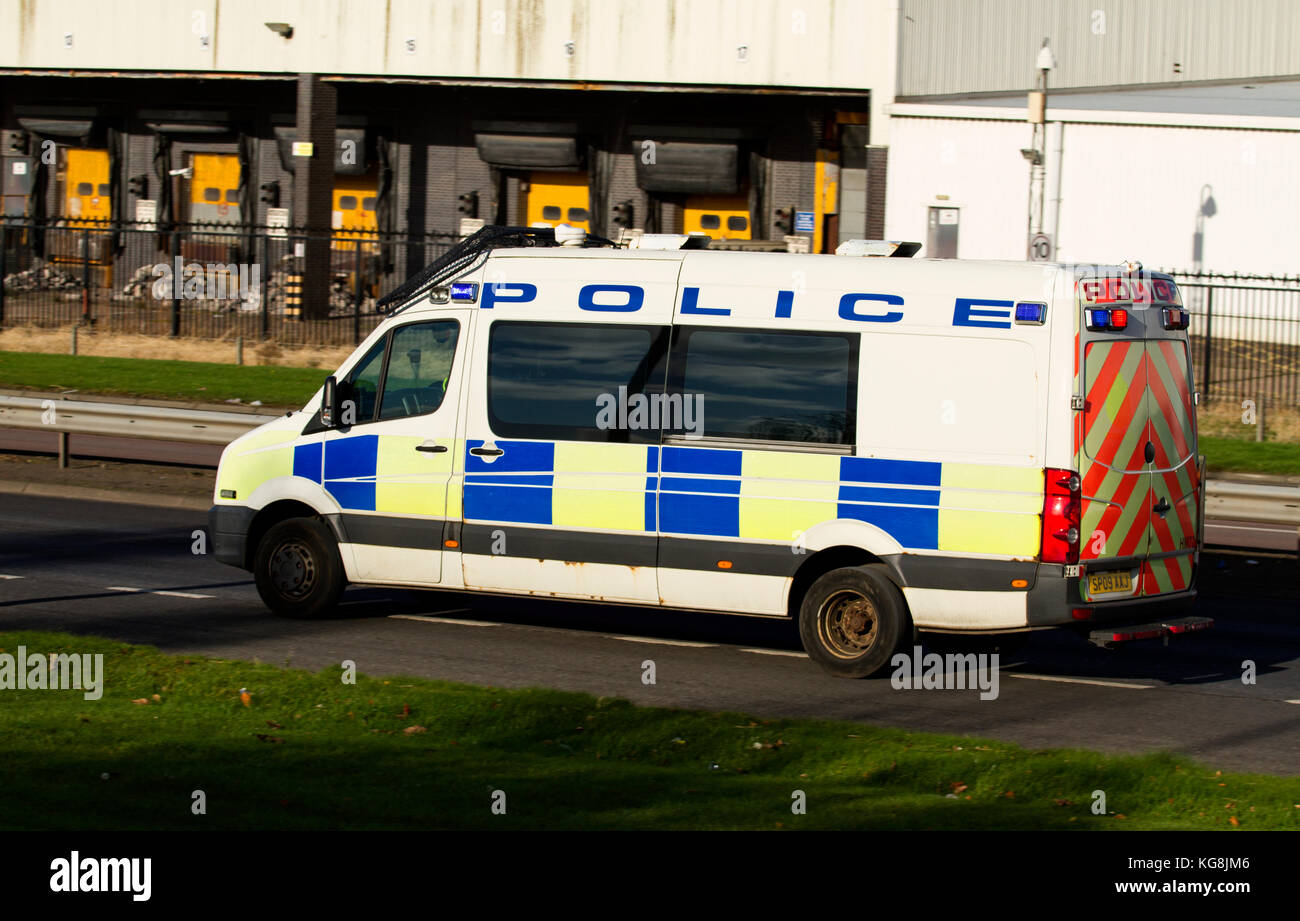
{"x": 974, "y": 46}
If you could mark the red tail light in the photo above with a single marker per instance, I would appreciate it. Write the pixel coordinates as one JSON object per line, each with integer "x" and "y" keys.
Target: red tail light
{"x": 1062, "y": 503}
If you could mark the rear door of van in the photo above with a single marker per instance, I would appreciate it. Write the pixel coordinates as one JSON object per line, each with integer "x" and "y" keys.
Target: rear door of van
{"x": 1136, "y": 440}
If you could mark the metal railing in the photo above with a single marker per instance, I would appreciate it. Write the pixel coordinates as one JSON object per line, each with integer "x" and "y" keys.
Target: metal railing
{"x": 202, "y": 280}
{"x": 1267, "y": 502}
{"x": 1245, "y": 335}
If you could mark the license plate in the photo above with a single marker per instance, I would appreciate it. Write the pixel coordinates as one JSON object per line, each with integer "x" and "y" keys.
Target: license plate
{"x": 1109, "y": 583}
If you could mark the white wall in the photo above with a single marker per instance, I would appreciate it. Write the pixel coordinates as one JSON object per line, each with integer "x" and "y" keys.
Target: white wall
{"x": 844, "y": 44}
{"x": 1128, "y": 191}
{"x": 977, "y": 164}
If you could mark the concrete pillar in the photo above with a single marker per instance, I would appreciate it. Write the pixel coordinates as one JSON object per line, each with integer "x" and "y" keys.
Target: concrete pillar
{"x": 313, "y": 188}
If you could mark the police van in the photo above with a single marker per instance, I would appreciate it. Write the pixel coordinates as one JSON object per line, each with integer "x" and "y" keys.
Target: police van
{"x": 874, "y": 447}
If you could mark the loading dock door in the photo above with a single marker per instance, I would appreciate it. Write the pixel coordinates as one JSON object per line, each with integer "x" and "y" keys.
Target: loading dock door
{"x": 558, "y": 198}
{"x": 86, "y": 188}
{"x": 214, "y": 188}
{"x": 354, "y": 217}
{"x": 722, "y": 217}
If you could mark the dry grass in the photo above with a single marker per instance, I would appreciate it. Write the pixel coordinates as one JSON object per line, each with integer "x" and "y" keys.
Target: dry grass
{"x": 1226, "y": 419}
{"x": 126, "y": 345}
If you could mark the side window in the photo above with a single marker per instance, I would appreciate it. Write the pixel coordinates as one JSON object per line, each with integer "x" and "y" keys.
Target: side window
{"x": 576, "y": 381}
{"x": 361, "y": 386}
{"x": 760, "y": 385}
{"x": 419, "y": 365}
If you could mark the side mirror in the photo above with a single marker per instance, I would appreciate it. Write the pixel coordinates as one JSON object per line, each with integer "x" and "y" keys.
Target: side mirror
{"x": 329, "y": 404}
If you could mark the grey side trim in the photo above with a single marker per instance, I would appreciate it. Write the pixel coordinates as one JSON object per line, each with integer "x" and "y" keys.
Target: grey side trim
{"x": 387, "y": 531}
{"x": 569, "y": 546}
{"x": 961, "y": 573}
{"x": 750, "y": 559}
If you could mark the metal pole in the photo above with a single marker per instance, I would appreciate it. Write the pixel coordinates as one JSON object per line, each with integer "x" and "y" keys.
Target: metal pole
{"x": 356, "y": 296}
{"x": 176, "y": 285}
{"x": 1209, "y": 338}
{"x": 85, "y": 276}
{"x": 4, "y": 243}
{"x": 266, "y": 284}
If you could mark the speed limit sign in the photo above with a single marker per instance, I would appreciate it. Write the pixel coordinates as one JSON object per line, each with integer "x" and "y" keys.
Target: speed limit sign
{"x": 1040, "y": 248}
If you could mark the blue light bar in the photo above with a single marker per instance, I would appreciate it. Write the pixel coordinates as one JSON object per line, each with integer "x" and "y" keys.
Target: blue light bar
{"x": 1031, "y": 313}
{"x": 1098, "y": 318}
{"x": 464, "y": 291}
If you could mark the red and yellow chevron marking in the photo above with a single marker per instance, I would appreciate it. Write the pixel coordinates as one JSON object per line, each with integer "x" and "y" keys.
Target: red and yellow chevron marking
{"x": 1139, "y": 392}
{"x": 1114, "y": 439}
{"x": 1173, "y": 437}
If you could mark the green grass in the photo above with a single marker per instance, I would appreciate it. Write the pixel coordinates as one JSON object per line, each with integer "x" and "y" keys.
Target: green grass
{"x": 311, "y": 752}
{"x": 159, "y": 378}
{"x": 1241, "y": 456}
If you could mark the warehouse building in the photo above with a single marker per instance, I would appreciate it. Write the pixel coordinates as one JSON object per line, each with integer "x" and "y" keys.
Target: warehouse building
{"x": 407, "y": 121}
{"x": 1171, "y": 134}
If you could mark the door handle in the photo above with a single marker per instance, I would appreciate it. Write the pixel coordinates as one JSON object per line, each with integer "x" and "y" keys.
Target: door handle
{"x": 431, "y": 449}
{"x": 1162, "y": 507}
{"x": 487, "y": 452}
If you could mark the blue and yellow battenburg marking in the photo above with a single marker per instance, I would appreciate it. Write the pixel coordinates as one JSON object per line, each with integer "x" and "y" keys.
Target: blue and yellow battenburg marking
{"x": 766, "y": 496}
{"x": 381, "y": 473}
{"x": 763, "y": 496}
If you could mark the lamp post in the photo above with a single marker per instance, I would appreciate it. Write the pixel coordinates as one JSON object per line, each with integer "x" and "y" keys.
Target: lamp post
{"x": 1036, "y": 153}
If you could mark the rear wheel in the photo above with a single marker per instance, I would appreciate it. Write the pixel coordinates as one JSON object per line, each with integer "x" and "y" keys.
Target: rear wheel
{"x": 853, "y": 620}
{"x": 298, "y": 570}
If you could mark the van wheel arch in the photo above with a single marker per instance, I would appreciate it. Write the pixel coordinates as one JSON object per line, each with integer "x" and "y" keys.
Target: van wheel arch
{"x": 271, "y": 515}
{"x": 831, "y": 558}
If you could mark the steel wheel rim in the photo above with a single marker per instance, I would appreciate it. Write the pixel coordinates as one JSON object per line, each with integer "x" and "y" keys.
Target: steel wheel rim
{"x": 292, "y": 569}
{"x": 849, "y": 624}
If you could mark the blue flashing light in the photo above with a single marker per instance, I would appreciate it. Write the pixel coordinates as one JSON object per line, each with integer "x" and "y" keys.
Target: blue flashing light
{"x": 1098, "y": 319}
{"x": 1031, "y": 313}
{"x": 464, "y": 291}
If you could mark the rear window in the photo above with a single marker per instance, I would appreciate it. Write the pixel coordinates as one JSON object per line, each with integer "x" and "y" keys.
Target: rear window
{"x": 766, "y": 386}
{"x": 548, "y": 380}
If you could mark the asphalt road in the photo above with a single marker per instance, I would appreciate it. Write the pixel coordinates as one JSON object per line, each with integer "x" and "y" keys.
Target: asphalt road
{"x": 128, "y": 572}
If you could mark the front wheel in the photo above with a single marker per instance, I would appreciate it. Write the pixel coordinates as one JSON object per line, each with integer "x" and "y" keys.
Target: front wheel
{"x": 853, "y": 620}
{"x": 298, "y": 570}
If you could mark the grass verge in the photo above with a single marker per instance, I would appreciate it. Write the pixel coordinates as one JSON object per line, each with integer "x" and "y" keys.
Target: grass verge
{"x": 310, "y": 752}
{"x": 159, "y": 378}
{"x": 1240, "y": 456}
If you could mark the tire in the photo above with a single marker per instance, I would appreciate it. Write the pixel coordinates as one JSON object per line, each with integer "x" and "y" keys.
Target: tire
{"x": 298, "y": 570}
{"x": 853, "y": 620}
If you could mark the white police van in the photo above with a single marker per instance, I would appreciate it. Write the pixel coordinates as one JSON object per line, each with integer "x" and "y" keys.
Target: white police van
{"x": 873, "y": 446}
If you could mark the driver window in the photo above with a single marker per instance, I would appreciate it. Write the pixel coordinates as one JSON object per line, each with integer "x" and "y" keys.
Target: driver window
{"x": 419, "y": 366}
{"x": 362, "y": 383}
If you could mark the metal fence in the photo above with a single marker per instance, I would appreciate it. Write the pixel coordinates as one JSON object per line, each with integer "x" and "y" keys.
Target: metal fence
{"x": 209, "y": 281}
{"x": 215, "y": 281}
{"x": 1245, "y": 336}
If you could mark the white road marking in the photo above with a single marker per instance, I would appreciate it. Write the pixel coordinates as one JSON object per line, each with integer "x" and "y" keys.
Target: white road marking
{"x": 1291, "y": 701}
{"x": 145, "y": 591}
{"x": 658, "y": 642}
{"x": 1100, "y": 684}
{"x": 443, "y": 620}
{"x": 777, "y": 652}
{"x": 3, "y": 576}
